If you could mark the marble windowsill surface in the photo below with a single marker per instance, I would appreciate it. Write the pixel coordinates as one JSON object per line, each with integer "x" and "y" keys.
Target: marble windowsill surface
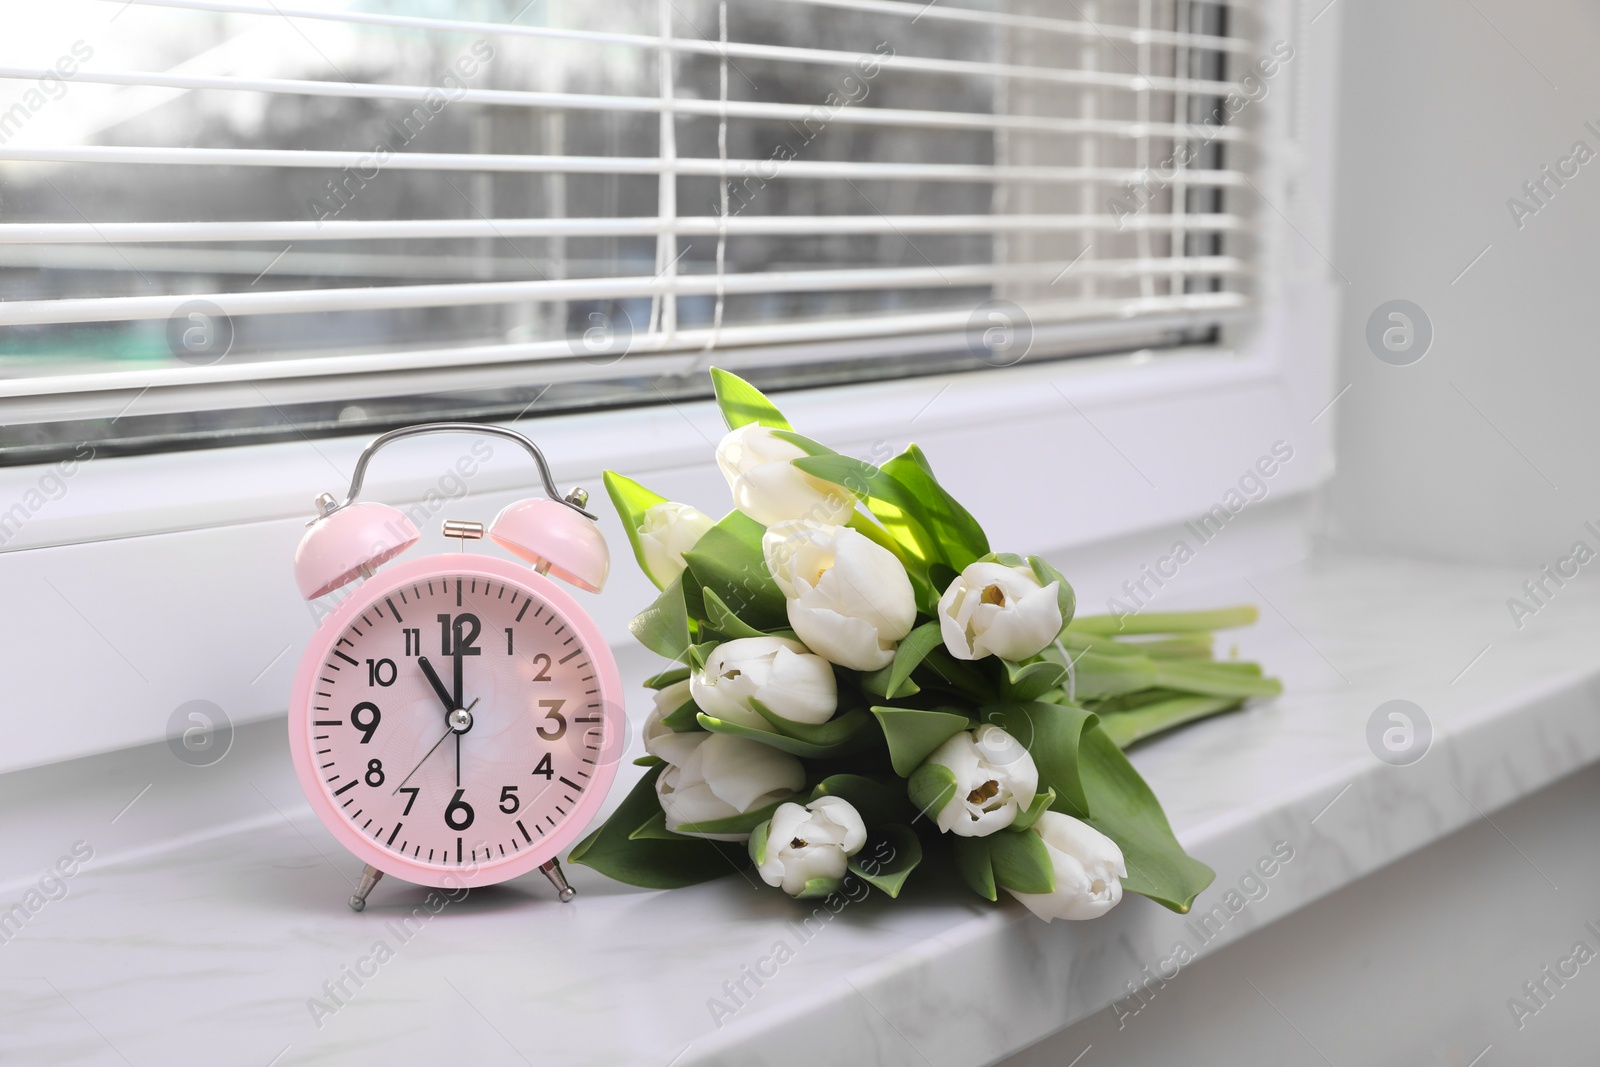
{"x": 211, "y": 915}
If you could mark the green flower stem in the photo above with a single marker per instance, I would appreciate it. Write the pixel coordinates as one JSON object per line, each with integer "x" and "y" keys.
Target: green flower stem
{"x": 1191, "y": 647}
{"x": 1217, "y": 679}
{"x": 1127, "y": 727}
{"x": 1165, "y": 622}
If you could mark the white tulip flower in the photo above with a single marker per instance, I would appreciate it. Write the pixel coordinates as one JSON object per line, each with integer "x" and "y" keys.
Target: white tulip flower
{"x": 995, "y": 779}
{"x": 659, "y": 739}
{"x": 810, "y": 842}
{"x": 668, "y": 531}
{"x": 723, "y": 776}
{"x": 850, "y": 599}
{"x": 769, "y": 488}
{"x": 1088, "y": 867}
{"x": 789, "y": 681}
{"x": 995, "y": 610}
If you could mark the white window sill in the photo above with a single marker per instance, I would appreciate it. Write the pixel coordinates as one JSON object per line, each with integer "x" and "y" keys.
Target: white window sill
{"x": 970, "y": 981}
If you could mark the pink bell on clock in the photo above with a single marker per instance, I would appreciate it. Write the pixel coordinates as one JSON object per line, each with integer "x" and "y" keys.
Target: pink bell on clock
{"x": 349, "y": 541}
{"x": 556, "y": 539}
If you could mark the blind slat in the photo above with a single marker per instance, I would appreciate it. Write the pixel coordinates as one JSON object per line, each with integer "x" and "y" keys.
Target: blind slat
{"x": 529, "y": 97}
{"x": 539, "y": 164}
{"x": 733, "y": 225}
{"x": 692, "y": 46}
{"x": 308, "y": 301}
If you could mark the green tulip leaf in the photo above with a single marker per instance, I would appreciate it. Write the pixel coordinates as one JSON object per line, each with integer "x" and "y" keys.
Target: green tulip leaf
{"x": 727, "y": 562}
{"x": 1030, "y": 681}
{"x": 877, "y": 684}
{"x": 734, "y": 824}
{"x": 742, "y": 403}
{"x": 651, "y": 863}
{"x": 804, "y": 443}
{"x": 877, "y": 802}
{"x": 782, "y": 742}
{"x": 1021, "y": 861}
{"x": 952, "y": 526}
{"x": 1053, "y": 735}
{"x": 670, "y": 677}
{"x": 654, "y": 829}
{"x": 682, "y": 719}
{"x": 1125, "y": 810}
{"x": 1030, "y": 814}
{"x": 632, "y": 500}
{"x": 648, "y": 761}
{"x": 721, "y": 618}
{"x": 757, "y": 845}
{"x": 699, "y": 655}
{"x": 818, "y": 888}
{"x": 888, "y": 858}
{"x": 842, "y": 733}
{"x": 912, "y": 733}
{"x": 968, "y": 677}
{"x": 663, "y": 627}
{"x": 972, "y": 860}
{"x": 930, "y": 787}
{"x": 891, "y": 503}
{"x": 914, "y": 648}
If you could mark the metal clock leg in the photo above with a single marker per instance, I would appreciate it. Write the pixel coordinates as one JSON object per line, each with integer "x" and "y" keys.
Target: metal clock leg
{"x": 369, "y": 878}
{"x": 552, "y": 871}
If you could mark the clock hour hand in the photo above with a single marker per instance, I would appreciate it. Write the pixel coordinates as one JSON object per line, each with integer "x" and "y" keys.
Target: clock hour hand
{"x": 450, "y": 702}
{"x": 459, "y": 723}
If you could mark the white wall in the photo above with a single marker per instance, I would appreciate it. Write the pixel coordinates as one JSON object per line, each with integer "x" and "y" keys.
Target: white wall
{"x": 1446, "y": 109}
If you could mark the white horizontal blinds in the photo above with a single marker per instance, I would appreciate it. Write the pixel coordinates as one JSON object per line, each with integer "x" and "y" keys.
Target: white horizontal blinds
{"x": 762, "y": 175}
{"x": 1174, "y": 210}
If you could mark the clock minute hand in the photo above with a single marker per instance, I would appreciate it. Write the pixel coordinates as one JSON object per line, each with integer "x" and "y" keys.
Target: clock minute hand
{"x": 460, "y": 722}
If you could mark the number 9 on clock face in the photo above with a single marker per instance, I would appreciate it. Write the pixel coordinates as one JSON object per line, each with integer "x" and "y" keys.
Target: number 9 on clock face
{"x": 457, "y": 721}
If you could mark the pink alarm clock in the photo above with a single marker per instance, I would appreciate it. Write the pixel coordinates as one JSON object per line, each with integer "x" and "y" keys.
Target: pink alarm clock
{"x": 458, "y": 718}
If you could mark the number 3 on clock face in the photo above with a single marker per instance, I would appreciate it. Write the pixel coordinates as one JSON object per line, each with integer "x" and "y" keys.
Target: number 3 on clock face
{"x": 457, "y": 720}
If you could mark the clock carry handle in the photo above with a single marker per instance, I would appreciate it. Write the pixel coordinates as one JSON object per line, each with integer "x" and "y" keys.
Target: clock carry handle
{"x": 351, "y": 540}
{"x": 428, "y": 428}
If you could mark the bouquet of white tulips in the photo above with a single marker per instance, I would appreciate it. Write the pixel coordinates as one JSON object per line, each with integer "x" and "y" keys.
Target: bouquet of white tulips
{"x": 865, "y": 687}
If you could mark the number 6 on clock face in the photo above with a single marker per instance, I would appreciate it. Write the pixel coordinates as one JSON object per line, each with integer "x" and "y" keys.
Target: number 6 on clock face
{"x": 457, "y": 719}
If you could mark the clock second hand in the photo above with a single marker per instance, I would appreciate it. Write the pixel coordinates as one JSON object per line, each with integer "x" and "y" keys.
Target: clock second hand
{"x": 457, "y": 726}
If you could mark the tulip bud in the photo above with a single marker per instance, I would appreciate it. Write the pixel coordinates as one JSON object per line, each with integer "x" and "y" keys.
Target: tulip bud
{"x": 659, "y": 739}
{"x": 769, "y": 488}
{"x": 995, "y": 610}
{"x": 667, "y": 532}
{"x": 994, "y": 779}
{"x": 1088, "y": 868}
{"x": 850, "y": 600}
{"x": 788, "y": 680}
{"x": 802, "y": 844}
{"x": 722, "y": 776}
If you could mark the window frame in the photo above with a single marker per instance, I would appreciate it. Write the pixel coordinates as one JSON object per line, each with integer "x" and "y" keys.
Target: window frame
{"x": 166, "y": 577}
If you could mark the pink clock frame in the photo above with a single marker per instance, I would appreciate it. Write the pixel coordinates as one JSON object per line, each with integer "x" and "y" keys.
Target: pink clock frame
{"x": 372, "y": 591}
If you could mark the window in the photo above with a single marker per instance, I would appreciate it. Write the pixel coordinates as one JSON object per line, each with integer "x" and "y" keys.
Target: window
{"x": 238, "y": 221}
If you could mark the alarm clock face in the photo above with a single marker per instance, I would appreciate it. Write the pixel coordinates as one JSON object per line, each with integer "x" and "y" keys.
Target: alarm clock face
{"x": 452, "y": 799}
